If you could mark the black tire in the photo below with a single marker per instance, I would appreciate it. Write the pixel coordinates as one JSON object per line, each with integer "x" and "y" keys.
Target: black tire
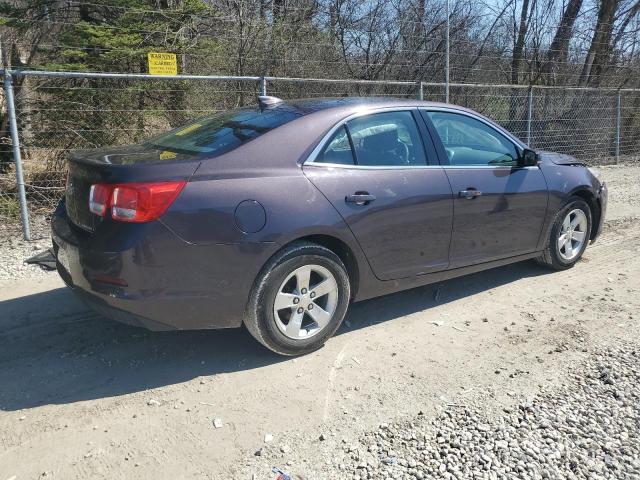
{"x": 260, "y": 318}
{"x": 551, "y": 256}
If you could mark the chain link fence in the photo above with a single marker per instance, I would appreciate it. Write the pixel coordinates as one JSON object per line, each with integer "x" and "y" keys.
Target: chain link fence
{"x": 56, "y": 112}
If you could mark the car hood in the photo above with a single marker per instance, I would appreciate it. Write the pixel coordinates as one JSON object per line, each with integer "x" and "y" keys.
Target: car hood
{"x": 558, "y": 158}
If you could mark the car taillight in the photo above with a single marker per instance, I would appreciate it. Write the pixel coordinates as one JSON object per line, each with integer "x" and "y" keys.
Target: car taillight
{"x": 134, "y": 202}
{"x": 99, "y": 197}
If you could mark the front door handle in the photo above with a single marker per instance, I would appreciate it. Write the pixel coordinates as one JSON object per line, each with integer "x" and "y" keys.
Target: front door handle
{"x": 470, "y": 193}
{"x": 360, "y": 198}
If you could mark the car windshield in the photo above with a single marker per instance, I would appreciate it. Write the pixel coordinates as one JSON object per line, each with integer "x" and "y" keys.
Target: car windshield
{"x": 223, "y": 131}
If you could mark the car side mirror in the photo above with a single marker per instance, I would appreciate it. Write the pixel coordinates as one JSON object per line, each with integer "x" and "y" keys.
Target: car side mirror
{"x": 528, "y": 158}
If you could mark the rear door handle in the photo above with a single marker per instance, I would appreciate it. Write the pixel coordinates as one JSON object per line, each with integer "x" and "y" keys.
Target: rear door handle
{"x": 360, "y": 198}
{"x": 470, "y": 193}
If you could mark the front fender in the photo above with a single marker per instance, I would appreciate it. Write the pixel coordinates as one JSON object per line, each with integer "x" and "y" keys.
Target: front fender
{"x": 565, "y": 181}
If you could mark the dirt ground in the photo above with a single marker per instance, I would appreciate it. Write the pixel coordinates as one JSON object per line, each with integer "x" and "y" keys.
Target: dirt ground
{"x": 82, "y": 397}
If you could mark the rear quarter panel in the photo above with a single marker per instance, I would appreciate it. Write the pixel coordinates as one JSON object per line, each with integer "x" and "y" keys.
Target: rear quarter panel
{"x": 204, "y": 215}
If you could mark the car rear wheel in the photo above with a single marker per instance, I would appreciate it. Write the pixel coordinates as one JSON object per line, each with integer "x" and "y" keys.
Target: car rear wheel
{"x": 569, "y": 235}
{"x": 299, "y": 299}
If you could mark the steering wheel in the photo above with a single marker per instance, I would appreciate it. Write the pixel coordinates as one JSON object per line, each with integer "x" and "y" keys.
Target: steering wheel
{"x": 404, "y": 152}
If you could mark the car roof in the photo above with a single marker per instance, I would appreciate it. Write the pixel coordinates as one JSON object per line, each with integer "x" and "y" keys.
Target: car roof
{"x": 330, "y": 109}
{"x": 347, "y": 105}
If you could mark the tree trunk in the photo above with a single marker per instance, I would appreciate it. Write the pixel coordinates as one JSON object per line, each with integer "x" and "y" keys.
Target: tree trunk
{"x": 559, "y": 50}
{"x": 600, "y": 50}
{"x": 6, "y": 157}
{"x": 516, "y": 64}
{"x": 518, "y": 49}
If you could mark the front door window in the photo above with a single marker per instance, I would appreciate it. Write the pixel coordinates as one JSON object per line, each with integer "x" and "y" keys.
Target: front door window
{"x": 470, "y": 142}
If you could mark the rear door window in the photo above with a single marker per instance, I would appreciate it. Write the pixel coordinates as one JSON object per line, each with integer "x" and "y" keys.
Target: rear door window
{"x": 223, "y": 131}
{"x": 338, "y": 149}
{"x": 387, "y": 139}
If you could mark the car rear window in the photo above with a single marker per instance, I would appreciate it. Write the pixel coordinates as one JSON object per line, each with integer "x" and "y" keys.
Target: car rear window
{"x": 223, "y": 131}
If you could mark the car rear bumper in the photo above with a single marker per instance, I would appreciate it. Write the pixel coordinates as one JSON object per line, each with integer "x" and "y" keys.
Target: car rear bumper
{"x": 149, "y": 277}
{"x": 104, "y": 308}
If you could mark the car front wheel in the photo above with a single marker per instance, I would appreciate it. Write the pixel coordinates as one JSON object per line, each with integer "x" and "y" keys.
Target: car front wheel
{"x": 299, "y": 299}
{"x": 569, "y": 235}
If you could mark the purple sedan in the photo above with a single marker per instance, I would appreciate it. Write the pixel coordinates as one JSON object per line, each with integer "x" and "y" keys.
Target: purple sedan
{"x": 280, "y": 215}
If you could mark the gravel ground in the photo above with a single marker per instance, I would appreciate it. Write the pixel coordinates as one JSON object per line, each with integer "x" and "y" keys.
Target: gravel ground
{"x": 14, "y": 250}
{"x": 587, "y": 429}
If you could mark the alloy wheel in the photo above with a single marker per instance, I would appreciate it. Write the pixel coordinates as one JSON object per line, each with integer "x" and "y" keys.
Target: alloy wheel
{"x": 573, "y": 234}
{"x": 306, "y": 302}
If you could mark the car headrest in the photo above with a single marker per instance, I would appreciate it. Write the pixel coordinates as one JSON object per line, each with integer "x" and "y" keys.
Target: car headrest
{"x": 383, "y": 141}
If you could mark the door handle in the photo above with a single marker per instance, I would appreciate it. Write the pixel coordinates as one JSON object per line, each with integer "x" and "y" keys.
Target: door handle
{"x": 360, "y": 198}
{"x": 470, "y": 193}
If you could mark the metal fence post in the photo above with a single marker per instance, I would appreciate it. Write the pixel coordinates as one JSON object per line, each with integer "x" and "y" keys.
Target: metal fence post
{"x": 421, "y": 90}
{"x": 263, "y": 86}
{"x": 529, "y": 113}
{"x": 15, "y": 142}
{"x": 618, "y": 120}
{"x": 446, "y": 74}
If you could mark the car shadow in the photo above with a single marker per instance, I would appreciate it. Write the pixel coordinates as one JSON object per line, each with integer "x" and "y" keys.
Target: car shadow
{"x": 57, "y": 351}
{"x": 389, "y": 307}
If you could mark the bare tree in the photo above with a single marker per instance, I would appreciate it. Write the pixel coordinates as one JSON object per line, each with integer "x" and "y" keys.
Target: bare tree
{"x": 558, "y": 52}
{"x": 600, "y": 49}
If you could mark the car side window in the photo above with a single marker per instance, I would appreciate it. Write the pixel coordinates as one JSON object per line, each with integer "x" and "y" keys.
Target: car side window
{"x": 468, "y": 141}
{"x": 387, "y": 139}
{"x": 337, "y": 150}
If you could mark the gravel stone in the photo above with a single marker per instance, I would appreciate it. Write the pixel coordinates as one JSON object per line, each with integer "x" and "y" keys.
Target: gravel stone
{"x": 14, "y": 250}
{"x": 587, "y": 429}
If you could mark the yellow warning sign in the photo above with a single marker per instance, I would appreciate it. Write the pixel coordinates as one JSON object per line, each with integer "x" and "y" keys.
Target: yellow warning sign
{"x": 162, "y": 63}
{"x": 167, "y": 155}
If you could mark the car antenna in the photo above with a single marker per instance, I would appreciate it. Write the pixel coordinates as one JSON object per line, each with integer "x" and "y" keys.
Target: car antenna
{"x": 265, "y": 101}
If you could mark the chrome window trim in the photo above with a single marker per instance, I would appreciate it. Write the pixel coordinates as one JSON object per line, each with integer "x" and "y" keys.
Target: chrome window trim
{"x": 505, "y": 133}
{"x": 409, "y": 167}
{"x": 529, "y": 167}
{"x": 310, "y": 160}
{"x": 369, "y": 167}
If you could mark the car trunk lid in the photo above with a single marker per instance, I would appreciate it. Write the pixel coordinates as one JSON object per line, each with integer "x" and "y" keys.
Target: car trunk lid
{"x": 136, "y": 163}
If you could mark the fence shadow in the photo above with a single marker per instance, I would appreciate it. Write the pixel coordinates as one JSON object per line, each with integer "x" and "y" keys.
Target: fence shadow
{"x": 56, "y": 351}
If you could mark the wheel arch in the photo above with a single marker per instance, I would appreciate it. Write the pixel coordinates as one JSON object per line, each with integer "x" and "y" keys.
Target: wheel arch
{"x": 587, "y": 195}
{"x": 338, "y": 246}
{"x": 342, "y": 250}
